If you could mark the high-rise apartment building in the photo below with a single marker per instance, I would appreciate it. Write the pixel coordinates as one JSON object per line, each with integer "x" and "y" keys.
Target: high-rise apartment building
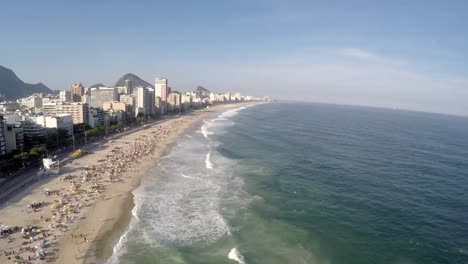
{"x": 77, "y": 91}
{"x": 78, "y": 111}
{"x": 174, "y": 99}
{"x": 100, "y": 95}
{"x": 128, "y": 87}
{"x": 142, "y": 101}
{"x": 151, "y": 101}
{"x": 160, "y": 86}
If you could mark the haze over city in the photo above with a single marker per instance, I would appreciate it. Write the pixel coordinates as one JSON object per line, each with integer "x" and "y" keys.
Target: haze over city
{"x": 408, "y": 55}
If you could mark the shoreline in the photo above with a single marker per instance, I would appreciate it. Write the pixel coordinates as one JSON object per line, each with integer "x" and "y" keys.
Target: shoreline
{"x": 108, "y": 239}
{"x": 106, "y": 216}
{"x": 108, "y": 235}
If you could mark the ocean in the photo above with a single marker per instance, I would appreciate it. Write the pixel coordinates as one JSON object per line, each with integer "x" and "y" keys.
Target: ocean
{"x": 283, "y": 183}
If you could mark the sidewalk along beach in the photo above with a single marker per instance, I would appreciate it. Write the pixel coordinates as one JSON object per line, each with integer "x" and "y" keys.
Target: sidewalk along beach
{"x": 90, "y": 202}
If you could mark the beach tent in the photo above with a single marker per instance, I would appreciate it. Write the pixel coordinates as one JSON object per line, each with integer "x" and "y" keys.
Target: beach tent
{"x": 48, "y": 163}
{"x": 50, "y": 166}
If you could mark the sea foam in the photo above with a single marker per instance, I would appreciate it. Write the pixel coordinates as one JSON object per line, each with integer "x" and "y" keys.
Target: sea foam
{"x": 183, "y": 210}
{"x": 208, "y": 163}
{"x": 234, "y": 254}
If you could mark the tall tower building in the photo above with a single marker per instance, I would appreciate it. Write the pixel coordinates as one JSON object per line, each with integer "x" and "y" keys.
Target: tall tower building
{"x": 141, "y": 101}
{"x": 77, "y": 91}
{"x": 160, "y": 86}
{"x": 151, "y": 101}
{"x": 128, "y": 86}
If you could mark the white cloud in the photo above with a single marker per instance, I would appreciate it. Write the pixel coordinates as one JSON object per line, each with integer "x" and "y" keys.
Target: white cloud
{"x": 328, "y": 76}
{"x": 358, "y": 53}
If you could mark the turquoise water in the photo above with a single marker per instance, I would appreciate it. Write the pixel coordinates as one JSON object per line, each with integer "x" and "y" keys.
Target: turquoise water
{"x": 307, "y": 183}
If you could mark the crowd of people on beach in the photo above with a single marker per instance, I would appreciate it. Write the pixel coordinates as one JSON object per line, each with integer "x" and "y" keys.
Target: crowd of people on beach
{"x": 54, "y": 216}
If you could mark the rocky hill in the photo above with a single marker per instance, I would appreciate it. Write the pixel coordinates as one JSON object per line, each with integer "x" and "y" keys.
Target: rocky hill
{"x": 97, "y": 85}
{"x": 136, "y": 81}
{"x": 13, "y": 87}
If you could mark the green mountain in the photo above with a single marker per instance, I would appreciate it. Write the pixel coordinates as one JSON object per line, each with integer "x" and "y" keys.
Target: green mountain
{"x": 97, "y": 85}
{"x": 136, "y": 81}
{"x": 13, "y": 87}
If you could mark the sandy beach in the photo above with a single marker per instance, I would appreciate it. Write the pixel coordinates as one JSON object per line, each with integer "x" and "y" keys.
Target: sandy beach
{"x": 90, "y": 201}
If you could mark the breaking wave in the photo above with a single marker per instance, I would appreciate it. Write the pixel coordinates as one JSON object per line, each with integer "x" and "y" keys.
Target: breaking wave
{"x": 208, "y": 163}
{"x": 181, "y": 201}
{"x": 235, "y": 255}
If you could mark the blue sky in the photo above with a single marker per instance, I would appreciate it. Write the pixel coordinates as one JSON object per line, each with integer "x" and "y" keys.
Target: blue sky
{"x": 398, "y": 54}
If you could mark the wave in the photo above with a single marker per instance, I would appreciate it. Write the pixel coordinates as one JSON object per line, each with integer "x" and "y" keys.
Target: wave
{"x": 208, "y": 163}
{"x": 204, "y": 130}
{"x": 221, "y": 120}
{"x": 190, "y": 207}
{"x": 218, "y": 119}
{"x": 177, "y": 210}
{"x": 233, "y": 112}
{"x": 234, "y": 254}
{"x": 190, "y": 177}
{"x": 119, "y": 248}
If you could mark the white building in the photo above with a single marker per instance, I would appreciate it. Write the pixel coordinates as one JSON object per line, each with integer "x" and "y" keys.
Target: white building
{"x": 100, "y": 95}
{"x": 33, "y": 101}
{"x": 236, "y": 97}
{"x": 217, "y": 97}
{"x": 227, "y": 96}
{"x": 130, "y": 101}
{"x": 174, "y": 100}
{"x": 8, "y": 106}
{"x": 65, "y": 96}
{"x": 142, "y": 101}
{"x": 79, "y": 111}
{"x": 14, "y": 137}
{"x": 58, "y": 121}
{"x": 160, "y": 86}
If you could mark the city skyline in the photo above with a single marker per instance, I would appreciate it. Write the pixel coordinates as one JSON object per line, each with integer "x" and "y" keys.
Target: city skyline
{"x": 410, "y": 56}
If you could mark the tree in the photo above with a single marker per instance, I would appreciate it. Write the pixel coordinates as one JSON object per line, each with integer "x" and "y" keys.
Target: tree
{"x": 21, "y": 156}
{"x": 114, "y": 127}
{"x": 94, "y": 131}
{"x": 58, "y": 138}
{"x": 63, "y": 136}
{"x": 37, "y": 152}
{"x": 51, "y": 140}
{"x": 141, "y": 119}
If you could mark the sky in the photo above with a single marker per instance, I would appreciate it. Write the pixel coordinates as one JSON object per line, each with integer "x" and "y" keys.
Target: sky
{"x": 395, "y": 54}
